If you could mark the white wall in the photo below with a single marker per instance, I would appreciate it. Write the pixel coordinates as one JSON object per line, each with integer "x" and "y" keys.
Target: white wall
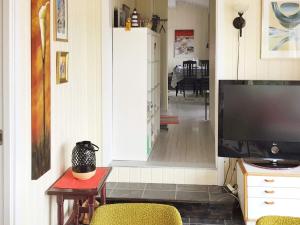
{"x": 145, "y": 8}
{"x": 188, "y": 16}
{"x": 166, "y": 175}
{"x": 76, "y": 113}
{"x": 119, "y": 3}
{"x": 107, "y": 80}
{"x": 160, "y": 7}
{"x": 251, "y": 65}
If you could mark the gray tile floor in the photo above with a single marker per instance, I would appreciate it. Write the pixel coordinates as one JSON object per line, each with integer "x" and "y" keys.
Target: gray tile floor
{"x": 197, "y": 204}
{"x": 174, "y": 192}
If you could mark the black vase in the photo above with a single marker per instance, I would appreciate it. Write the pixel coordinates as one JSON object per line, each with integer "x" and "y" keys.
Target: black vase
{"x": 84, "y": 160}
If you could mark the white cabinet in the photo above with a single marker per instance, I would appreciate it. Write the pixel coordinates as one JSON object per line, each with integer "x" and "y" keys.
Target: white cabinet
{"x": 264, "y": 192}
{"x": 136, "y": 93}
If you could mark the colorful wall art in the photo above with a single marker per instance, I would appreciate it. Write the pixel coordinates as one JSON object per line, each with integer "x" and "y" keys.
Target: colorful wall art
{"x": 184, "y": 42}
{"x": 40, "y": 87}
{"x": 281, "y": 29}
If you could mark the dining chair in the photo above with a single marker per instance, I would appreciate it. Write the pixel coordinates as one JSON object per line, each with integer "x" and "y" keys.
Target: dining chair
{"x": 204, "y": 64}
{"x": 189, "y": 76}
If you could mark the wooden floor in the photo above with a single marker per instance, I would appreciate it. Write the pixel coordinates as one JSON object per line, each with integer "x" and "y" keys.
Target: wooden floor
{"x": 190, "y": 141}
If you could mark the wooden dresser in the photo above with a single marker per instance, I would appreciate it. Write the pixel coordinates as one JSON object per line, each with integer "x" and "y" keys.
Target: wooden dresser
{"x": 265, "y": 192}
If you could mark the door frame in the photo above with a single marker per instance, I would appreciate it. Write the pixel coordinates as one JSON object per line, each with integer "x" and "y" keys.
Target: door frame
{"x": 9, "y": 176}
{"x": 107, "y": 80}
{"x": 219, "y": 69}
{"x": 1, "y": 113}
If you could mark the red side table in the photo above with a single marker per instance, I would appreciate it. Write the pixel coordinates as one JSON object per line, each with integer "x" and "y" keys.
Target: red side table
{"x": 69, "y": 188}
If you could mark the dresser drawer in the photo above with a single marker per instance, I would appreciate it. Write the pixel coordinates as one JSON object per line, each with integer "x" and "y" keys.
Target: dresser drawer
{"x": 258, "y": 207}
{"x": 272, "y": 181}
{"x": 271, "y": 192}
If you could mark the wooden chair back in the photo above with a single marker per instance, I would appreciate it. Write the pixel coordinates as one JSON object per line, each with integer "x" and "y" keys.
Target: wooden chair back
{"x": 204, "y": 64}
{"x": 189, "y": 68}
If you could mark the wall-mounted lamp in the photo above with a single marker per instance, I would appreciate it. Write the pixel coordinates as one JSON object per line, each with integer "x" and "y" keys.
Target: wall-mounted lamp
{"x": 240, "y": 6}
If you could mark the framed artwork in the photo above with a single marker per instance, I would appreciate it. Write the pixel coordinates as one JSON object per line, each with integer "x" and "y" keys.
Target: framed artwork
{"x": 280, "y": 29}
{"x": 122, "y": 17}
{"x": 62, "y": 61}
{"x": 126, "y": 10}
{"x": 184, "y": 43}
{"x": 40, "y": 88}
{"x": 61, "y": 20}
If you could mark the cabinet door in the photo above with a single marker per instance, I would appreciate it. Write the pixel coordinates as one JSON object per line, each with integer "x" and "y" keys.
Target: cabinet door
{"x": 149, "y": 47}
{"x": 153, "y": 48}
{"x": 272, "y": 181}
{"x": 157, "y": 48}
{"x": 153, "y": 71}
{"x": 258, "y": 207}
{"x": 271, "y": 192}
{"x": 149, "y": 74}
{"x": 149, "y": 138}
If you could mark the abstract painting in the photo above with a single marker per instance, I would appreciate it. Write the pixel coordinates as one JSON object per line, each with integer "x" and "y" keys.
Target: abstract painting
{"x": 40, "y": 88}
{"x": 184, "y": 42}
{"x": 61, "y": 20}
{"x": 281, "y": 29}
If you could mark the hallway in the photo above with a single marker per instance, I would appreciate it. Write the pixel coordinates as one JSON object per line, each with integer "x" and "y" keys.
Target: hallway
{"x": 189, "y": 143}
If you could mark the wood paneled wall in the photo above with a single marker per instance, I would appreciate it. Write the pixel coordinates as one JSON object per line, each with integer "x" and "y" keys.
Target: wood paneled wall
{"x": 76, "y": 113}
{"x": 251, "y": 65}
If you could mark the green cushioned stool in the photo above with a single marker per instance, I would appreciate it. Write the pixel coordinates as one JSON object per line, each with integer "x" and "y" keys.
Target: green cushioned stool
{"x": 278, "y": 220}
{"x": 136, "y": 214}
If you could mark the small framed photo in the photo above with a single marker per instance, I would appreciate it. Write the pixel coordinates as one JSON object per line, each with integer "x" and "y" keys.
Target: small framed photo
{"x": 61, "y": 20}
{"x": 62, "y": 61}
{"x": 126, "y": 10}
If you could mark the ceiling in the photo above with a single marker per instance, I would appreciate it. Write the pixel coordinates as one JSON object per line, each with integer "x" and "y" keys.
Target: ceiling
{"x": 205, "y": 3}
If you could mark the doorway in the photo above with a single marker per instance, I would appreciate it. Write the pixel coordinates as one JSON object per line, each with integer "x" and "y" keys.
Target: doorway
{"x": 191, "y": 142}
{"x": 188, "y": 139}
{"x": 1, "y": 121}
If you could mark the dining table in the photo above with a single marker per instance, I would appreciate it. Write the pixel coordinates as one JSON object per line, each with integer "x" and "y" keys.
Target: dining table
{"x": 179, "y": 74}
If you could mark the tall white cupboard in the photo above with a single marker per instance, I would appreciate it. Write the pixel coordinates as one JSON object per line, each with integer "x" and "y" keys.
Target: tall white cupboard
{"x": 136, "y": 93}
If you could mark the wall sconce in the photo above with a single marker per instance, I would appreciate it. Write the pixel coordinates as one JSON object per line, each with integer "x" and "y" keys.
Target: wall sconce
{"x": 240, "y": 6}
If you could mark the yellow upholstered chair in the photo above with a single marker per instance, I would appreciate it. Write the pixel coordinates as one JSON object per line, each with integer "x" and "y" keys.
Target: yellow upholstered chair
{"x": 136, "y": 214}
{"x": 278, "y": 220}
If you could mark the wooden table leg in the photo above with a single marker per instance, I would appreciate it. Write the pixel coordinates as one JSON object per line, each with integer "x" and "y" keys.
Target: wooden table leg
{"x": 60, "y": 209}
{"x": 76, "y": 211}
{"x": 103, "y": 194}
{"x": 91, "y": 201}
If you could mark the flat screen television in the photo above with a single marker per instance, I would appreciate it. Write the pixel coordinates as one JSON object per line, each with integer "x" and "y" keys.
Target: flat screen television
{"x": 260, "y": 122}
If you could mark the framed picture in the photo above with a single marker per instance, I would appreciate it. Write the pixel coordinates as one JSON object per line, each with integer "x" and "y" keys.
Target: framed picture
{"x": 122, "y": 18}
{"x": 184, "y": 43}
{"x": 280, "y": 29}
{"x": 126, "y": 10}
{"x": 62, "y": 61}
{"x": 61, "y": 20}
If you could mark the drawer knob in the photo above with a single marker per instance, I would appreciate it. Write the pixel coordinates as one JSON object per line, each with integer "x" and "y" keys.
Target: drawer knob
{"x": 269, "y": 180}
{"x": 269, "y": 191}
{"x": 269, "y": 202}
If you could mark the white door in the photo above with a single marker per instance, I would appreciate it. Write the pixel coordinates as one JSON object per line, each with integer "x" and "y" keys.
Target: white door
{"x": 1, "y": 123}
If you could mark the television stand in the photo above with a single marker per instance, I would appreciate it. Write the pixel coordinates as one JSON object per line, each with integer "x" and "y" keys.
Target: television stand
{"x": 265, "y": 192}
{"x": 273, "y": 163}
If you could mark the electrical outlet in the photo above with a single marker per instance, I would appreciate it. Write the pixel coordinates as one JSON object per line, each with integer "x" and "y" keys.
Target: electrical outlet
{"x": 232, "y": 190}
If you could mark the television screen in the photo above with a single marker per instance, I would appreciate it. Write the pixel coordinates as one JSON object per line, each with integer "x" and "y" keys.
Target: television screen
{"x": 255, "y": 116}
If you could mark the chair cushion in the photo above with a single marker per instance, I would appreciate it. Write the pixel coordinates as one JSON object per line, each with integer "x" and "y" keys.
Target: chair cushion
{"x": 278, "y": 220}
{"x": 136, "y": 214}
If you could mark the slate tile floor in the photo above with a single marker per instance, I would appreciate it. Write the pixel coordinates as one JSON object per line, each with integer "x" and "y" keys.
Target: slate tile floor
{"x": 197, "y": 204}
